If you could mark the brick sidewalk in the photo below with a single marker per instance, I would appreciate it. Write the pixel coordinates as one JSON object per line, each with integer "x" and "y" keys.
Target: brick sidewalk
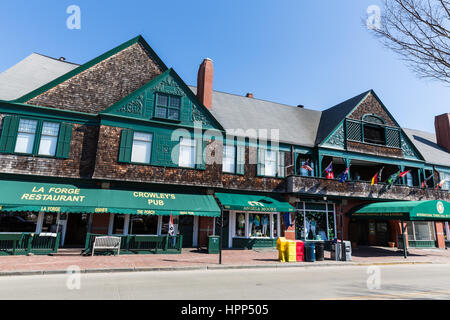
{"x": 193, "y": 258}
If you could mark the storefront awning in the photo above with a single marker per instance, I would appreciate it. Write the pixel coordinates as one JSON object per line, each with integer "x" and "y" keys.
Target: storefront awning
{"x": 405, "y": 210}
{"x": 45, "y": 197}
{"x": 245, "y": 202}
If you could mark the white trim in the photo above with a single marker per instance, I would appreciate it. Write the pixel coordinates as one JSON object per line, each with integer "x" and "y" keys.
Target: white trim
{"x": 247, "y": 225}
{"x": 39, "y": 222}
{"x": 231, "y": 227}
{"x": 214, "y": 226}
{"x": 279, "y": 225}
{"x": 126, "y": 224}
{"x": 159, "y": 227}
{"x": 271, "y": 225}
{"x": 111, "y": 223}
{"x": 195, "y": 232}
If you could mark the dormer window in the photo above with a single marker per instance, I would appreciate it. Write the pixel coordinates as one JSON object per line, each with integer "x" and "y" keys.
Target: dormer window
{"x": 167, "y": 106}
{"x": 374, "y": 130}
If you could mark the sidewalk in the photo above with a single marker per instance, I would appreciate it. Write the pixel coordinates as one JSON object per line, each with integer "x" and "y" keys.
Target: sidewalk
{"x": 192, "y": 259}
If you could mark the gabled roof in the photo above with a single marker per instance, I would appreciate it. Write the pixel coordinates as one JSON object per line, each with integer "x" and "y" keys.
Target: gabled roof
{"x": 426, "y": 143}
{"x": 31, "y": 73}
{"x": 297, "y": 126}
{"x": 333, "y": 116}
{"x": 87, "y": 65}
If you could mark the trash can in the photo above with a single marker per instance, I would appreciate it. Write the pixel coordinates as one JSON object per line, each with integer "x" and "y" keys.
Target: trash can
{"x": 300, "y": 251}
{"x": 336, "y": 251}
{"x": 310, "y": 252}
{"x": 320, "y": 251}
{"x": 348, "y": 251}
{"x": 281, "y": 247}
{"x": 213, "y": 244}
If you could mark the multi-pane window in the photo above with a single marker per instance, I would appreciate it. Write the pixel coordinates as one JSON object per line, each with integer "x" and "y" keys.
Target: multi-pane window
{"x": 445, "y": 176}
{"x": 270, "y": 164}
{"x": 168, "y": 107}
{"x": 142, "y": 147}
{"x": 187, "y": 153}
{"x": 25, "y": 136}
{"x": 420, "y": 231}
{"x": 49, "y": 139}
{"x": 229, "y": 157}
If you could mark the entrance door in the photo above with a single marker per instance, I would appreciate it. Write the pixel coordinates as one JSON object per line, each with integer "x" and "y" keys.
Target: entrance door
{"x": 382, "y": 233}
{"x": 186, "y": 228}
{"x": 226, "y": 220}
{"x": 76, "y": 230}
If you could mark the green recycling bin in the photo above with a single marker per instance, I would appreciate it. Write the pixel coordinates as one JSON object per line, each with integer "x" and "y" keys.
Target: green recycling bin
{"x": 213, "y": 244}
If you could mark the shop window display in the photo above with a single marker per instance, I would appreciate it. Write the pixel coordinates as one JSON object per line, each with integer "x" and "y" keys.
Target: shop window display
{"x": 240, "y": 224}
{"x": 259, "y": 225}
{"x": 316, "y": 224}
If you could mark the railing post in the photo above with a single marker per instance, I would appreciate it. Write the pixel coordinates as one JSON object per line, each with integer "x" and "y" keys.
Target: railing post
{"x": 56, "y": 248}
{"x": 180, "y": 245}
{"x": 30, "y": 243}
{"x": 87, "y": 242}
{"x": 166, "y": 245}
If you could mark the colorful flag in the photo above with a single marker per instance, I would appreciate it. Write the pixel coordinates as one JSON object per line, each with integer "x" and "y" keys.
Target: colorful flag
{"x": 440, "y": 184}
{"x": 171, "y": 230}
{"x": 306, "y": 166}
{"x": 426, "y": 180}
{"x": 404, "y": 173}
{"x": 377, "y": 177}
{"x": 393, "y": 178}
{"x": 329, "y": 170}
{"x": 344, "y": 175}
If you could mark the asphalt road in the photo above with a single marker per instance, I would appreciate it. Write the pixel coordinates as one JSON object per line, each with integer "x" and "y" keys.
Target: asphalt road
{"x": 424, "y": 281}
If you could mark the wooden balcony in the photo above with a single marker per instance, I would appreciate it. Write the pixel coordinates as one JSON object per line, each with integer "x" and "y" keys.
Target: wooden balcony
{"x": 359, "y": 189}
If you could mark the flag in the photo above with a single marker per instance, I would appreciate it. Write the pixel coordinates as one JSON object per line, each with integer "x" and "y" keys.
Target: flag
{"x": 374, "y": 179}
{"x": 171, "y": 230}
{"x": 393, "y": 178}
{"x": 344, "y": 175}
{"x": 377, "y": 177}
{"x": 426, "y": 180}
{"x": 306, "y": 166}
{"x": 329, "y": 170}
{"x": 440, "y": 184}
{"x": 404, "y": 173}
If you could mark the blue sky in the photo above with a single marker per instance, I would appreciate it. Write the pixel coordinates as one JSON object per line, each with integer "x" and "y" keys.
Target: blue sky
{"x": 315, "y": 53}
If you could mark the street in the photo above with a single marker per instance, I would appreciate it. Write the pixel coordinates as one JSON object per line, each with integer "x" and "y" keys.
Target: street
{"x": 412, "y": 281}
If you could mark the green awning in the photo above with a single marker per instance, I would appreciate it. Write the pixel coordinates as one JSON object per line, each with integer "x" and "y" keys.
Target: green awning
{"x": 245, "y": 202}
{"x": 405, "y": 210}
{"x": 45, "y": 197}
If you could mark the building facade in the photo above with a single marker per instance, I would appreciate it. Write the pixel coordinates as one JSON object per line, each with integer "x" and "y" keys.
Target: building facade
{"x": 121, "y": 143}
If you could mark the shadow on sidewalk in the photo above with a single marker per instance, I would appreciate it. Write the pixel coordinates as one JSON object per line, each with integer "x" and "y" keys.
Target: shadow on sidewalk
{"x": 373, "y": 252}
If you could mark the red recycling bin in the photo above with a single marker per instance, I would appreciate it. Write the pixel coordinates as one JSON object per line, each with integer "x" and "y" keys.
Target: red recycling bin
{"x": 300, "y": 250}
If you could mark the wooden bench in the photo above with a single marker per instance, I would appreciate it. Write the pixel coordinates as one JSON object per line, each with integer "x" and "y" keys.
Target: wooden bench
{"x": 106, "y": 243}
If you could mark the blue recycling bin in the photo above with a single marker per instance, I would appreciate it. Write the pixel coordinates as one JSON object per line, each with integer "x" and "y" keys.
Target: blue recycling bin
{"x": 310, "y": 251}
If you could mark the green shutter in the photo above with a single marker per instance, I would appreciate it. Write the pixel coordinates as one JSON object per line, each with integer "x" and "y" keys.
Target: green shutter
{"x": 240, "y": 160}
{"x": 126, "y": 144}
{"x": 261, "y": 161}
{"x": 200, "y": 161}
{"x": 9, "y": 134}
{"x": 64, "y": 140}
{"x": 280, "y": 162}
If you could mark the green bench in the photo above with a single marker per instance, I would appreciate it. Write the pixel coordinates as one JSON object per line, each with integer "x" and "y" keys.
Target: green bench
{"x": 15, "y": 238}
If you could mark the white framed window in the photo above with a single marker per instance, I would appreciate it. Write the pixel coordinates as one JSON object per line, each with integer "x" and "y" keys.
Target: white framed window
{"x": 25, "y": 136}
{"x": 270, "y": 163}
{"x": 420, "y": 231}
{"x": 445, "y": 176}
{"x": 49, "y": 139}
{"x": 142, "y": 147}
{"x": 187, "y": 153}
{"x": 229, "y": 159}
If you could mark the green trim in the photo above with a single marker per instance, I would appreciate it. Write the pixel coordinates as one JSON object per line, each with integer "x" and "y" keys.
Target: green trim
{"x": 47, "y": 112}
{"x": 91, "y": 63}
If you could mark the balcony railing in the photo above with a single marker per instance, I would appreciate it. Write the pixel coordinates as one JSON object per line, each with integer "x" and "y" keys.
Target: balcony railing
{"x": 360, "y": 189}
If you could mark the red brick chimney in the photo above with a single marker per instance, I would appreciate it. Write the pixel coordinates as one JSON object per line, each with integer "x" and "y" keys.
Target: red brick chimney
{"x": 250, "y": 95}
{"x": 442, "y": 126}
{"x": 205, "y": 83}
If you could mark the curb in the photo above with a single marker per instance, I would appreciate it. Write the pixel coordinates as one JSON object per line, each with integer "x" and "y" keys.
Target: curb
{"x": 206, "y": 268}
